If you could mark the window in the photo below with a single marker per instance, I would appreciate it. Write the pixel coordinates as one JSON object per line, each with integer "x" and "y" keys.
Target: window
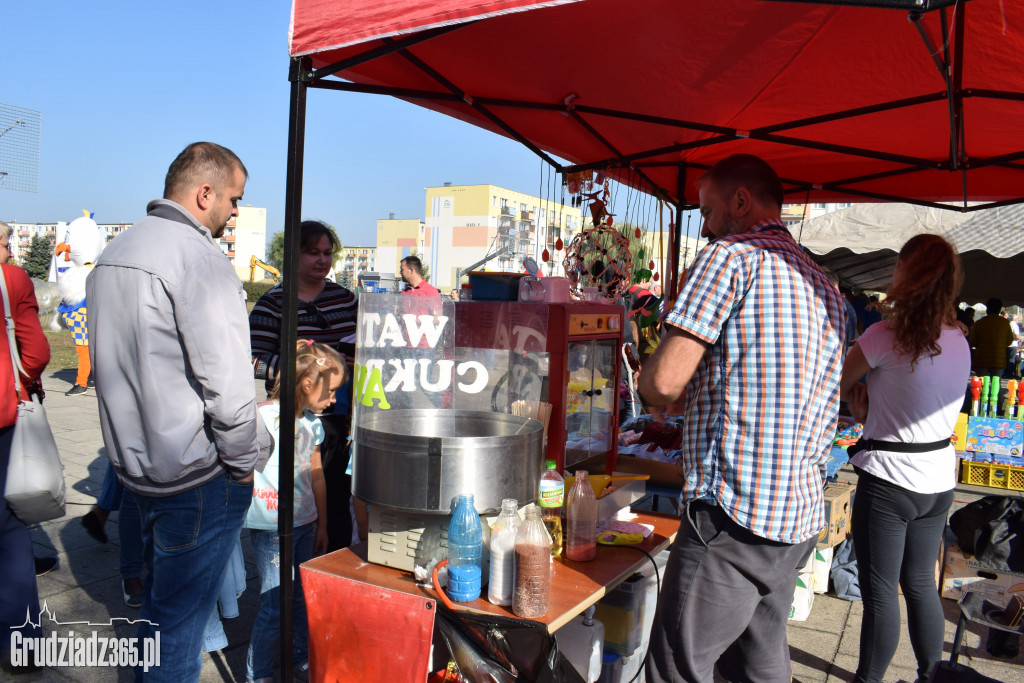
{"x": 504, "y": 203}
{"x": 494, "y": 200}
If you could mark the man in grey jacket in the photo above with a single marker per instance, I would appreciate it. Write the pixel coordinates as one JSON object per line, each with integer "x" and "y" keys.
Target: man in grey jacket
{"x": 170, "y": 352}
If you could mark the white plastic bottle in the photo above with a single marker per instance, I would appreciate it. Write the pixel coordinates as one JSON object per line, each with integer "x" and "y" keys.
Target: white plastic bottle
{"x": 581, "y": 641}
{"x": 503, "y": 553}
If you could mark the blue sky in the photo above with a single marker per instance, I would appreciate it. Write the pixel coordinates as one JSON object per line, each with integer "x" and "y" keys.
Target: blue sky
{"x": 122, "y": 87}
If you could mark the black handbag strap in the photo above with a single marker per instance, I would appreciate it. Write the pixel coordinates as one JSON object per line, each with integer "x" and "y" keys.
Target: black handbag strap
{"x": 895, "y": 446}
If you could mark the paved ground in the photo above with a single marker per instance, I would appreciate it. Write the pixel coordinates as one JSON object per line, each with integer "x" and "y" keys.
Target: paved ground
{"x": 86, "y": 586}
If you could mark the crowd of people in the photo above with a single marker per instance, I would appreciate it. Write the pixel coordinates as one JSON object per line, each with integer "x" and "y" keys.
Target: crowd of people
{"x": 755, "y": 353}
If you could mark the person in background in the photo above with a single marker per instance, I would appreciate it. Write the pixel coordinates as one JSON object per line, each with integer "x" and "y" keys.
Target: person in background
{"x": 917, "y": 363}
{"x": 851, "y": 314}
{"x": 19, "y": 595}
{"x": 990, "y": 337}
{"x": 327, "y": 315}
{"x": 411, "y": 269}
{"x": 1013, "y": 352}
{"x": 455, "y": 295}
{"x": 757, "y": 330}
{"x": 170, "y": 353}
{"x": 965, "y": 314}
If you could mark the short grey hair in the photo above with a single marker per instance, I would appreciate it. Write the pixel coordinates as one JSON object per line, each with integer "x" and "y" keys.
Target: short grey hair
{"x": 5, "y": 230}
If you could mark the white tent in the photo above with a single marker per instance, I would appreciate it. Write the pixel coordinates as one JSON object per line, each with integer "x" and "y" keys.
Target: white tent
{"x": 861, "y": 242}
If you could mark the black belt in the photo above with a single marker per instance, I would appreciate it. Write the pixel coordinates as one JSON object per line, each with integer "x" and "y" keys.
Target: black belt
{"x": 895, "y": 446}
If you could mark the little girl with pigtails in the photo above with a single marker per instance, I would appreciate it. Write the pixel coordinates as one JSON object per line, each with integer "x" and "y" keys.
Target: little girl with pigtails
{"x": 319, "y": 371}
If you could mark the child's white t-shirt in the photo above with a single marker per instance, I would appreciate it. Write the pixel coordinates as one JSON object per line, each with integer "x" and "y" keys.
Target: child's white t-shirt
{"x": 916, "y": 406}
{"x": 309, "y": 434}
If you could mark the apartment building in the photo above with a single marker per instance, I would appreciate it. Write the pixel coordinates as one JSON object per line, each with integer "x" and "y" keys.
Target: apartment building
{"x": 353, "y": 262}
{"x": 466, "y": 223}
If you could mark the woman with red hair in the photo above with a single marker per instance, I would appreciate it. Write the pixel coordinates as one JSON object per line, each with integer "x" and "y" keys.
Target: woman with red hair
{"x": 917, "y": 362}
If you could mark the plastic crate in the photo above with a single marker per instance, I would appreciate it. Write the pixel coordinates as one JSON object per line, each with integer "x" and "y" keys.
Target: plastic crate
{"x": 622, "y": 613}
{"x": 997, "y": 476}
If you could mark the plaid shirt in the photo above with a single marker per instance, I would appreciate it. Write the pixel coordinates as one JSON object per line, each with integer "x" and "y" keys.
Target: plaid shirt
{"x": 761, "y": 406}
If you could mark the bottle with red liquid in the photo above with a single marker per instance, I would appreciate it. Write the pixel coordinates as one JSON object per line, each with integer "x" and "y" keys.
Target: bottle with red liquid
{"x": 581, "y": 520}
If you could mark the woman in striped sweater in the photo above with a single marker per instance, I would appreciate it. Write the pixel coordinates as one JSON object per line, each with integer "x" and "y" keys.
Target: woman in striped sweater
{"x": 327, "y": 315}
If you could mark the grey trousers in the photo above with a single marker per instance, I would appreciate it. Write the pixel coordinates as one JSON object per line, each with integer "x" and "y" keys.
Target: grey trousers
{"x": 725, "y": 601}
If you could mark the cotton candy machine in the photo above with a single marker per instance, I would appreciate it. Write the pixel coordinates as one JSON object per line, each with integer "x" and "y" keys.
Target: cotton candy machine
{"x": 410, "y": 463}
{"x": 418, "y": 460}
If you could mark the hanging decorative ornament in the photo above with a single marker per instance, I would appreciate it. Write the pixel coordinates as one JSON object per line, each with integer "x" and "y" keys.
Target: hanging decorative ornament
{"x": 545, "y": 256}
{"x": 559, "y": 244}
{"x": 637, "y": 233}
{"x": 651, "y": 265}
{"x": 598, "y": 257}
{"x": 656, "y": 277}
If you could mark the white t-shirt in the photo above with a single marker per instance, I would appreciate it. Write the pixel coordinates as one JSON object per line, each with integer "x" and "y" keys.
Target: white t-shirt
{"x": 913, "y": 407}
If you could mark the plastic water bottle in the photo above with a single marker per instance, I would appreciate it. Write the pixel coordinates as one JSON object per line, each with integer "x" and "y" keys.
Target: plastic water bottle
{"x": 550, "y": 500}
{"x": 581, "y": 518}
{"x": 533, "y": 567}
{"x": 465, "y": 545}
{"x": 503, "y": 553}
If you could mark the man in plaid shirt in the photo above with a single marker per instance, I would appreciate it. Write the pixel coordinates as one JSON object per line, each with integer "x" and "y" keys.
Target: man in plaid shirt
{"x": 752, "y": 358}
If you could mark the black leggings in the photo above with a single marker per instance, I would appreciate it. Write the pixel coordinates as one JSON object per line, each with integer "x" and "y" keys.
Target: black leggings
{"x": 334, "y": 453}
{"x": 897, "y": 534}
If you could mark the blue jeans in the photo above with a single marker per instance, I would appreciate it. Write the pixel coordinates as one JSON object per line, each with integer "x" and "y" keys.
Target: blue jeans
{"x": 111, "y": 493}
{"x": 187, "y": 540}
{"x": 267, "y": 629}
{"x": 18, "y": 593}
{"x": 129, "y": 531}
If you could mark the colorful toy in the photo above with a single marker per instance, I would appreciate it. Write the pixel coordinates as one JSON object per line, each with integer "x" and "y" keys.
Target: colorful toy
{"x": 993, "y": 396}
{"x": 976, "y": 388}
{"x": 1011, "y": 397}
{"x": 1020, "y": 400}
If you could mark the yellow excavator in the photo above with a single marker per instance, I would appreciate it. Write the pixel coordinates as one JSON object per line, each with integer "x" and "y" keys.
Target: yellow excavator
{"x": 255, "y": 263}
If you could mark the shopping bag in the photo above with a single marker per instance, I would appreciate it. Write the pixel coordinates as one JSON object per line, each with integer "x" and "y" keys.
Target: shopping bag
{"x": 35, "y": 473}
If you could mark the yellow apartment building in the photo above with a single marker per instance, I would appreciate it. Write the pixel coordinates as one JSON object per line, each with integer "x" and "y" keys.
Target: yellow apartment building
{"x": 466, "y": 223}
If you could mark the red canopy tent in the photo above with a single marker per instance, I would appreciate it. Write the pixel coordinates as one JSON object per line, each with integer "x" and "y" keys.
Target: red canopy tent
{"x": 846, "y": 103}
{"x": 854, "y": 100}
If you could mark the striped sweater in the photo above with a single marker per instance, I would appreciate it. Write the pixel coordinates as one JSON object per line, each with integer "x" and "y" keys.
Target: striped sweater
{"x": 329, "y": 319}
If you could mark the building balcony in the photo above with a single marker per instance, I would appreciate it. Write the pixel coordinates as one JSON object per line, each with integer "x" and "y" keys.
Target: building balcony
{"x": 526, "y": 216}
{"x": 508, "y": 211}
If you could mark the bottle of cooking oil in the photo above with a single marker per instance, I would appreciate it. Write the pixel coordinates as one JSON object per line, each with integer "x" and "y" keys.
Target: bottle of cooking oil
{"x": 550, "y": 500}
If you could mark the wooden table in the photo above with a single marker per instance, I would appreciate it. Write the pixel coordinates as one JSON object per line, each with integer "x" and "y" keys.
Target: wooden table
{"x": 371, "y": 622}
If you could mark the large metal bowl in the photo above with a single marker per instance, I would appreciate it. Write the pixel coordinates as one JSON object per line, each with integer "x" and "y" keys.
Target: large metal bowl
{"x": 420, "y": 459}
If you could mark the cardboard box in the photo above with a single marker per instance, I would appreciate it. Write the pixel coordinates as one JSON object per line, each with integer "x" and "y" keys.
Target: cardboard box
{"x": 995, "y": 435}
{"x": 960, "y": 432}
{"x": 962, "y": 573}
{"x": 838, "y": 506}
{"x": 663, "y": 474}
{"x": 822, "y": 563}
{"x": 803, "y": 597}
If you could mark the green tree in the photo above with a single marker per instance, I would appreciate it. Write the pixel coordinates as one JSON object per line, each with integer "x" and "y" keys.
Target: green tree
{"x": 37, "y": 261}
{"x": 423, "y": 262}
{"x": 275, "y": 250}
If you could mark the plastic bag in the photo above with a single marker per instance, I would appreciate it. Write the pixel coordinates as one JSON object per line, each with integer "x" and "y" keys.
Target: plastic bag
{"x": 992, "y": 529}
{"x": 492, "y": 649}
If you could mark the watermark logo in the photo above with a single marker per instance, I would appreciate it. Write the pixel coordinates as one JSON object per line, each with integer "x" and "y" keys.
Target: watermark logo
{"x": 82, "y": 646}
